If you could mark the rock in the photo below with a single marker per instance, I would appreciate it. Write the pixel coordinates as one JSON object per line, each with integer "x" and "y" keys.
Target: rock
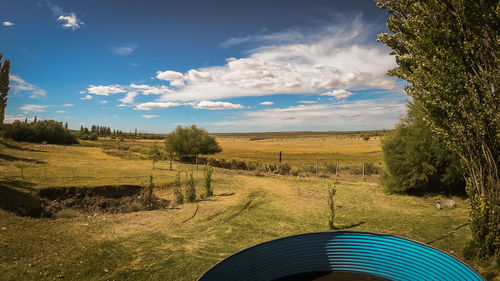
{"x": 445, "y": 203}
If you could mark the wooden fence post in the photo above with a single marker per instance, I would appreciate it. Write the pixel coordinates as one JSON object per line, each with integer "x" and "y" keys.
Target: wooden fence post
{"x": 363, "y": 171}
{"x": 337, "y": 170}
{"x": 280, "y": 157}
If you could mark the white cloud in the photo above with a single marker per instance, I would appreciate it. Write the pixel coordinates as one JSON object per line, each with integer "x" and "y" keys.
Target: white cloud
{"x": 103, "y": 102}
{"x": 346, "y": 116}
{"x": 68, "y": 105}
{"x": 267, "y": 103}
{"x": 129, "y": 98}
{"x": 332, "y": 59}
{"x": 87, "y": 97}
{"x": 151, "y": 90}
{"x": 20, "y": 85}
{"x": 70, "y": 21}
{"x": 61, "y": 111}
{"x": 7, "y": 23}
{"x": 176, "y": 78}
{"x": 105, "y": 90}
{"x": 12, "y": 118}
{"x": 124, "y": 50}
{"x": 338, "y": 94}
{"x": 34, "y": 107}
{"x": 155, "y": 105}
{"x": 216, "y": 105}
{"x": 307, "y": 101}
{"x": 150, "y": 116}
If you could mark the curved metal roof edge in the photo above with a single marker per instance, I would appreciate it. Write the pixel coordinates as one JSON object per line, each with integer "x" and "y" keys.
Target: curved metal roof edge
{"x": 344, "y": 231}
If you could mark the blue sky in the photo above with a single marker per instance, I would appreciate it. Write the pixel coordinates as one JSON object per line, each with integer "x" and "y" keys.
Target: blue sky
{"x": 228, "y": 66}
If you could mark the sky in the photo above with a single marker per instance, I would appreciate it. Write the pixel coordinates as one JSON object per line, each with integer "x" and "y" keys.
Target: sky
{"x": 227, "y": 66}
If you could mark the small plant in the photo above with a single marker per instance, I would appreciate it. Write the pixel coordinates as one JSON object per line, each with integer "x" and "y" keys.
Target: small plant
{"x": 148, "y": 199}
{"x": 331, "y": 206}
{"x": 208, "y": 171}
{"x": 190, "y": 189}
{"x": 155, "y": 155}
{"x": 178, "y": 197}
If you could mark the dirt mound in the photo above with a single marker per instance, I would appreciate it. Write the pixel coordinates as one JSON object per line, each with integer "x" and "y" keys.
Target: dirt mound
{"x": 100, "y": 199}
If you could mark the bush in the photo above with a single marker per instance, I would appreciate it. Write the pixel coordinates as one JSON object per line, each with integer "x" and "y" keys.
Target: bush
{"x": 67, "y": 214}
{"x": 208, "y": 171}
{"x": 49, "y": 131}
{"x": 191, "y": 141}
{"x": 415, "y": 161}
{"x": 285, "y": 169}
{"x": 178, "y": 197}
{"x": 190, "y": 189}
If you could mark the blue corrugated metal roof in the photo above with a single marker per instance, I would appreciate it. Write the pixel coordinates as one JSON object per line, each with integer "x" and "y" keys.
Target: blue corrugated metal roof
{"x": 380, "y": 255}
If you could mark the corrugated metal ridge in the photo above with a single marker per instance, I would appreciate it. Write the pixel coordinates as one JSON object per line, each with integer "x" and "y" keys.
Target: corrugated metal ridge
{"x": 381, "y": 255}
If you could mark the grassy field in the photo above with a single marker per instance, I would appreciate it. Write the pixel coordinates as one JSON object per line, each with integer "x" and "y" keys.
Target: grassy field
{"x": 165, "y": 244}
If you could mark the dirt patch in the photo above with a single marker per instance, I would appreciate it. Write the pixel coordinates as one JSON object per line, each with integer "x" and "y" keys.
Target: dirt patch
{"x": 100, "y": 199}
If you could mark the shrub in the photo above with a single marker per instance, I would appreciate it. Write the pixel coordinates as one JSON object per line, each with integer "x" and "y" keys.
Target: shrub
{"x": 191, "y": 141}
{"x": 415, "y": 161}
{"x": 178, "y": 197}
{"x": 67, "y": 214}
{"x": 208, "y": 171}
{"x": 285, "y": 169}
{"x": 49, "y": 131}
{"x": 331, "y": 206}
{"x": 190, "y": 189}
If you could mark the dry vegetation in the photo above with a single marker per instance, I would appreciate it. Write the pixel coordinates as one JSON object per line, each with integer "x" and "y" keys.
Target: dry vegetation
{"x": 165, "y": 244}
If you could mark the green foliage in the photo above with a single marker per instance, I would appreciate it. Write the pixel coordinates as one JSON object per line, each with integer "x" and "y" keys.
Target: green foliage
{"x": 331, "y": 206}
{"x": 191, "y": 141}
{"x": 208, "y": 171}
{"x": 4, "y": 86}
{"x": 178, "y": 197}
{"x": 415, "y": 162}
{"x": 449, "y": 53}
{"x": 49, "y": 131}
{"x": 155, "y": 155}
{"x": 190, "y": 189}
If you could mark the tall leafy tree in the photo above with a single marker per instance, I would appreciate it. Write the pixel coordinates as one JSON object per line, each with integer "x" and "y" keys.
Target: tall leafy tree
{"x": 4, "y": 86}
{"x": 191, "y": 141}
{"x": 448, "y": 51}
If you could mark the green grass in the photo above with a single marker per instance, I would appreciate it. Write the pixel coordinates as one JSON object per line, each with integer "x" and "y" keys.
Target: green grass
{"x": 159, "y": 245}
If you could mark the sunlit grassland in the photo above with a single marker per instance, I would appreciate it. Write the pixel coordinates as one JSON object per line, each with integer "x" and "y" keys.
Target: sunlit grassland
{"x": 161, "y": 244}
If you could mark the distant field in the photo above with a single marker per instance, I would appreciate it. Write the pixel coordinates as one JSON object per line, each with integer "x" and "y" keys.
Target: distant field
{"x": 161, "y": 244}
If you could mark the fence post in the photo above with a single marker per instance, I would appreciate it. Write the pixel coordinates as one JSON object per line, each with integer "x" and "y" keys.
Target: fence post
{"x": 337, "y": 171}
{"x": 363, "y": 171}
{"x": 280, "y": 157}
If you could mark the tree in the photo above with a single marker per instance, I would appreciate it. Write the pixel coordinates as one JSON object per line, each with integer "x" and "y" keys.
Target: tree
{"x": 191, "y": 141}
{"x": 415, "y": 162}
{"x": 4, "y": 86}
{"x": 448, "y": 52}
{"x": 154, "y": 154}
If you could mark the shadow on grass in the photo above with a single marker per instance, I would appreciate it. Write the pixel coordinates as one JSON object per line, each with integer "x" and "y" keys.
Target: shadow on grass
{"x": 13, "y": 158}
{"x": 344, "y": 227}
{"x": 19, "y": 197}
{"x": 11, "y": 146}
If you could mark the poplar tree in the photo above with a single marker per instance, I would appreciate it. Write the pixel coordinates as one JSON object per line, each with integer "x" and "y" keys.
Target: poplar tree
{"x": 448, "y": 51}
{"x": 4, "y": 86}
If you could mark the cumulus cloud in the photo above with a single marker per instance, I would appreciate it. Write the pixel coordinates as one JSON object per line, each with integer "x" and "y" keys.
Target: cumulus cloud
{"x": 147, "y": 116}
{"x": 345, "y": 116}
{"x": 34, "y": 107}
{"x": 216, "y": 105}
{"x": 7, "y": 23}
{"x": 12, "y": 118}
{"x": 129, "y": 98}
{"x": 338, "y": 94}
{"x": 330, "y": 60}
{"x": 155, "y": 105}
{"x": 176, "y": 78}
{"x": 124, "y": 50}
{"x": 70, "y": 21}
{"x": 87, "y": 97}
{"x": 61, "y": 111}
{"x": 105, "y": 90}
{"x": 151, "y": 90}
{"x": 267, "y": 103}
{"x": 18, "y": 84}
{"x": 307, "y": 101}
